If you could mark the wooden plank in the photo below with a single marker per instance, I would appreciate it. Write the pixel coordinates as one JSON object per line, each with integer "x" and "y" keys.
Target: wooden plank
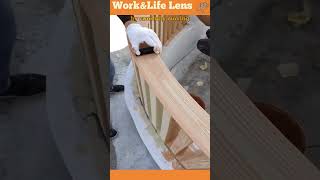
{"x": 169, "y": 29}
{"x": 180, "y": 142}
{"x": 151, "y": 22}
{"x": 161, "y": 29}
{"x": 138, "y": 83}
{"x": 144, "y": 94}
{"x": 93, "y": 33}
{"x": 246, "y": 145}
{"x": 156, "y": 29}
{"x": 193, "y": 158}
{"x": 166, "y": 27}
{"x": 154, "y": 24}
{"x": 181, "y": 24}
{"x": 165, "y": 124}
{"x": 175, "y": 99}
{"x": 156, "y": 111}
{"x": 173, "y": 27}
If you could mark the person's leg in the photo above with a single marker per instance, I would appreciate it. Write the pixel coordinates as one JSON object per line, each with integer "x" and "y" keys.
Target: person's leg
{"x": 114, "y": 88}
{"x": 20, "y": 84}
{"x": 111, "y": 74}
{"x": 112, "y": 132}
{"x": 7, "y": 38}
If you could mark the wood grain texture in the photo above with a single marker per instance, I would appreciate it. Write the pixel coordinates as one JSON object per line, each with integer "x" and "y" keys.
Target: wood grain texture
{"x": 137, "y": 75}
{"x": 193, "y": 158}
{"x": 246, "y": 145}
{"x": 165, "y": 125}
{"x": 180, "y": 142}
{"x": 176, "y": 101}
{"x": 144, "y": 94}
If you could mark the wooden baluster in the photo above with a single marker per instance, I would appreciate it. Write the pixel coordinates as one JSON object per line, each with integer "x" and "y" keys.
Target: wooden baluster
{"x": 168, "y": 29}
{"x": 145, "y": 94}
{"x": 179, "y": 25}
{"x": 164, "y": 29}
{"x": 148, "y": 109}
{"x": 138, "y": 81}
{"x": 156, "y": 112}
{"x": 161, "y": 28}
{"x": 173, "y": 28}
{"x": 180, "y": 142}
{"x": 158, "y": 25}
{"x": 193, "y": 158}
{"x": 150, "y": 22}
{"x": 165, "y": 124}
{"x": 154, "y": 24}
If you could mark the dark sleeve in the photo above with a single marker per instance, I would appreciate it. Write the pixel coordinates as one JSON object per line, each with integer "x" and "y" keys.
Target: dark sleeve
{"x": 125, "y": 18}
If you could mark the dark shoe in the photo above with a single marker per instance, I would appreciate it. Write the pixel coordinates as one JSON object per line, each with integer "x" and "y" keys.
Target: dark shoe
{"x": 204, "y": 46}
{"x": 208, "y": 33}
{"x": 117, "y": 88}
{"x": 25, "y": 85}
{"x": 113, "y": 133}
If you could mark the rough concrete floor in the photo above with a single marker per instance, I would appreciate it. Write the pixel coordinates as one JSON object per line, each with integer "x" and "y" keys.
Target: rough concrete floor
{"x": 27, "y": 149}
{"x": 279, "y": 64}
{"x": 197, "y": 78}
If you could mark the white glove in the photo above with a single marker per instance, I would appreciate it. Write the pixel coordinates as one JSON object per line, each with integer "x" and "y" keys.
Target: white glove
{"x": 138, "y": 35}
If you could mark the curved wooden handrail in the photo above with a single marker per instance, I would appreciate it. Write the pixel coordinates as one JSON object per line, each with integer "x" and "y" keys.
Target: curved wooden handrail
{"x": 194, "y": 120}
{"x": 246, "y": 144}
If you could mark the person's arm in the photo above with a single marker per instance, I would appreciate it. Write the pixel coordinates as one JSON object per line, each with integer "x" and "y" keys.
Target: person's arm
{"x": 138, "y": 35}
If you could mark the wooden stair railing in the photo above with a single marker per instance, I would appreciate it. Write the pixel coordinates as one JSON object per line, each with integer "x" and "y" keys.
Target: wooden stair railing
{"x": 181, "y": 123}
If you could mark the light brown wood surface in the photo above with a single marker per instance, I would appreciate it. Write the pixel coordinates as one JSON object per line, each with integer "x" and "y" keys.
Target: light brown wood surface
{"x": 246, "y": 146}
{"x": 175, "y": 100}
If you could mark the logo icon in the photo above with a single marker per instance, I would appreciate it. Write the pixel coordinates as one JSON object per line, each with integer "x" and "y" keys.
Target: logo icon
{"x": 203, "y": 5}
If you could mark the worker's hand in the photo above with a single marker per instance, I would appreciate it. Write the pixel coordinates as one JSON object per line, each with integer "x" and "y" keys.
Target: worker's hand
{"x": 138, "y": 35}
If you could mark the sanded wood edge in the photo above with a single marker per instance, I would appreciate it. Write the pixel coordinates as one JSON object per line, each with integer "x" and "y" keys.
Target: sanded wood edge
{"x": 175, "y": 99}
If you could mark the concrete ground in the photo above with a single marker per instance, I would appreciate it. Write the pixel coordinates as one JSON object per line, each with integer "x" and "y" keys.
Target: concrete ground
{"x": 197, "y": 79}
{"x": 279, "y": 64}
